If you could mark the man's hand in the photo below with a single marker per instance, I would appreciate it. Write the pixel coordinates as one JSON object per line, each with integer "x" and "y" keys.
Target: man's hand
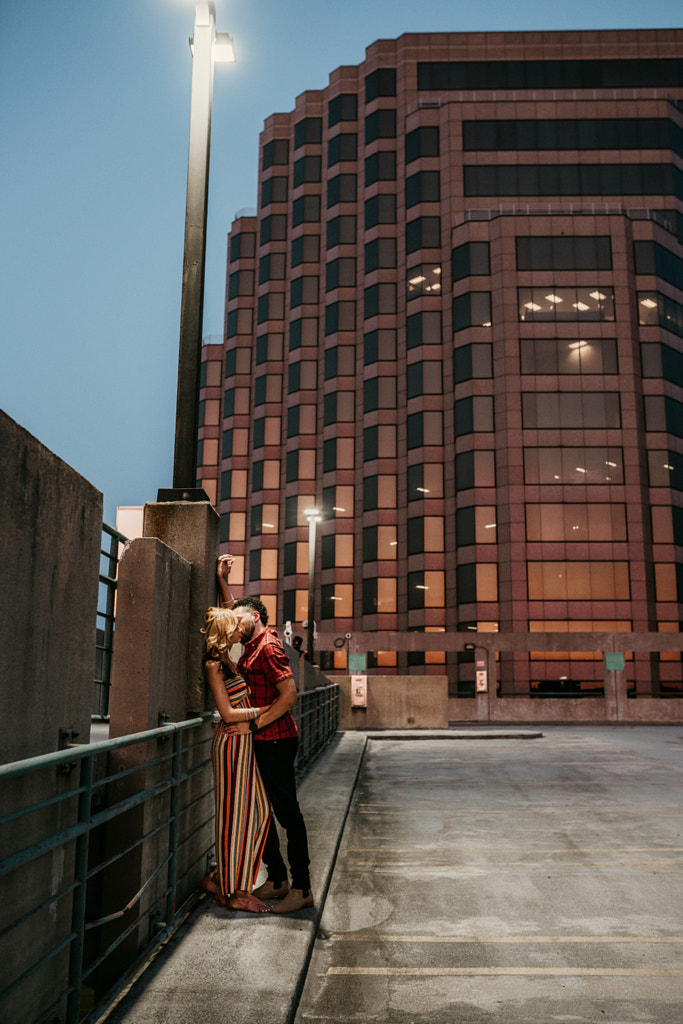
{"x": 237, "y": 729}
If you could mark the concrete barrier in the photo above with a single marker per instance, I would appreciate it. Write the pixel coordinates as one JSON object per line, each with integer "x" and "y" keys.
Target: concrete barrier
{"x": 396, "y": 702}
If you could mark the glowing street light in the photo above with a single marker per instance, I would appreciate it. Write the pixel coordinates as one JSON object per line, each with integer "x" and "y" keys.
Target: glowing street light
{"x": 208, "y": 47}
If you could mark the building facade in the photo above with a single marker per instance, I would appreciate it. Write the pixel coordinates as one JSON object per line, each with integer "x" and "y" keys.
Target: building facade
{"x": 455, "y": 325}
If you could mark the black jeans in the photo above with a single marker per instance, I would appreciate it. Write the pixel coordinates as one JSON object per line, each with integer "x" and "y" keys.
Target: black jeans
{"x": 275, "y": 760}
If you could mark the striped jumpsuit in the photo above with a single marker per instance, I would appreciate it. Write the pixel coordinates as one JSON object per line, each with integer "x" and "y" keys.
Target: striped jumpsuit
{"x": 242, "y": 806}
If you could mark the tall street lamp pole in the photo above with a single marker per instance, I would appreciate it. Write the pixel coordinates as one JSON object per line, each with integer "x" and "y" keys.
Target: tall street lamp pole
{"x": 208, "y": 47}
{"x": 313, "y": 516}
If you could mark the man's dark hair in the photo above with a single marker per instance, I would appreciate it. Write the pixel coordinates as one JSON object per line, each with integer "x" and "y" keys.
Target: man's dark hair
{"x": 255, "y": 604}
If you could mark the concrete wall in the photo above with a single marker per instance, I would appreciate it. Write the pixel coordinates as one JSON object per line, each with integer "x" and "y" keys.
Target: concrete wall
{"x": 51, "y": 530}
{"x": 396, "y": 702}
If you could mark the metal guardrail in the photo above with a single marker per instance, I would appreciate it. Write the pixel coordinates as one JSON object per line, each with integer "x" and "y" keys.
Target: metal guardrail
{"x": 106, "y": 604}
{"x": 65, "y": 824}
{"x": 317, "y": 717}
{"x": 71, "y": 823}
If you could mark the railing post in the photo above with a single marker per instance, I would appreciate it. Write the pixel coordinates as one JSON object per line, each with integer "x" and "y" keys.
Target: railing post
{"x": 79, "y": 897}
{"x": 172, "y": 877}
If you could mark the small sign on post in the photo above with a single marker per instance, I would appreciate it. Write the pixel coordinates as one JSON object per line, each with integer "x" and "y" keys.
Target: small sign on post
{"x": 614, "y": 661}
{"x": 359, "y": 691}
{"x": 358, "y": 661}
{"x": 482, "y": 683}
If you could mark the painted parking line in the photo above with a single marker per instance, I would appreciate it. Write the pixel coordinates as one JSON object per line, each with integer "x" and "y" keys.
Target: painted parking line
{"x": 565, "y": 972}
{"x": 511, "y": 939}
{"x": 488, "y": 863}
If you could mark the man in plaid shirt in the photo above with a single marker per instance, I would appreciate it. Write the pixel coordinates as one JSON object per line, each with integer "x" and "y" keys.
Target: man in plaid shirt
{"x": 265, "y": 668}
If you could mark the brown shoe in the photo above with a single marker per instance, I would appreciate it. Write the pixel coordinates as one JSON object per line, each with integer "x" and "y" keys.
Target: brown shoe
{"x": 269, "y": 891}
{"x": 293, "y": 901}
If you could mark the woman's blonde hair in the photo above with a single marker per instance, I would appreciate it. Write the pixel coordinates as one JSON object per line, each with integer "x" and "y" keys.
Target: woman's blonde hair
{"x": 219, "y": 625}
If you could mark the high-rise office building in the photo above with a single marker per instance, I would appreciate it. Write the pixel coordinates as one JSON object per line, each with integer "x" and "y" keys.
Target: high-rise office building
{"x": 455, "y": 325}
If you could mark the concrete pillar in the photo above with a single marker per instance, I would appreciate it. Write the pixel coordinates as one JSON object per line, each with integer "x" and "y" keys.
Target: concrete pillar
{"x": 51, "y": 529}
{"x": 152, "y": 638}
{"x": 191, "y": 529}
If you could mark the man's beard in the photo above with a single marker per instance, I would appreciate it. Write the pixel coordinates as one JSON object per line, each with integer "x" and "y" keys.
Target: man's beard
{"x": 247, "y": 630}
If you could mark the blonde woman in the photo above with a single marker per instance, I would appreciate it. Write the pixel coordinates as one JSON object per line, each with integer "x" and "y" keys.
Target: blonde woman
{"x": 242, "y": 806}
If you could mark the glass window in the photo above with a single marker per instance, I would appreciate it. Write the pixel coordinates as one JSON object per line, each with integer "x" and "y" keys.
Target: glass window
{"x": 381, "y": 82}
{"x": 340, "y": 316}
{"x": 342, "y": 108}
{"x": 426, "y": 589}
{"x": 475, "y": 525}
{"x": 470, "y": 260}
{"x": 578, "y": 581}
{"x": 336, "y": 601}
{"x": 424, "y": 378}
{"x": 275, "y": 152}
{"x": 621, "y": 72}
{"x": 303, "y": 290}
{"x": 305, "y": 249}
{"x": 475, "y": 469}
{"x": 556, "y": 303}
{"x": 423, "y": 280}
{"x": 341, "y": 189}
{"x": 474, "y": 414}
{"x": 423, "y": 233}
{"x": 425, "y": 481}
{"x": 573, "y": 465}
{"x": 379, "y": 492}
{"x": 380, "y": 299}
{"x": 380, "y": 209}
{"x": 380, "y": 253}
{"x": 565, "y": 409}
{"x": 379, "y": 442}
{"x": 341, "y": 148}
{"x": 274, "y": 190}
{"x": 302, "y": 376}
{"x": 272, "y": 267}
{"x": 666, "y": 469}
{"x": 303, "y": 333}
{"x": 308, "y": 131}
{"x": 305, "y": 210}
{"x": 306, "y": 169}
{"x": 381, "y": 124}
{"x": 379, "y": 393}
{"x": 423, "y": 141}
{"x": 243, "y": 246}
{"x": 473, "y": 309}
{"x": 340, "y": 361}
{"x": 269, "y": 346}
{"x": 295, "y": 506}
{"x": 241, "y": 282}
{"x": 379, "y": 346}
{"x": 474, "y": 361}
{"x": 379, "y": 596}
{"x": 566, "y": 133}
{"x": 576, "y": 522}
{"x": 423, "y": 328}
{"x": 569, "y": 180}
{"x": 423, "y": 187}
{"x": 563, "y": 356}
{"x": 380, "y": 166}
{"x": 341, "y": 231}
{"x": 379, "y": 543}
{"x": 340, "y": 273}
{"x": 425, "y": 428}
{"x": 273, "y": 228}
{"x": 564, "y": 252}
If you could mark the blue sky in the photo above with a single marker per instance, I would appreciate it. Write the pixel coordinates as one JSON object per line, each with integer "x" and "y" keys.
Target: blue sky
{"x": 94, "y": 125}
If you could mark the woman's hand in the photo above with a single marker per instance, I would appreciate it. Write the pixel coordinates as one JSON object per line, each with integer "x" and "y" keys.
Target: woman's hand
{"x": 225, "y": 564}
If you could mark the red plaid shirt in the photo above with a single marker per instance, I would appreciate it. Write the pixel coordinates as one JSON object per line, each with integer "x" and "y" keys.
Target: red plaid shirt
{"x": 263, "y": 665}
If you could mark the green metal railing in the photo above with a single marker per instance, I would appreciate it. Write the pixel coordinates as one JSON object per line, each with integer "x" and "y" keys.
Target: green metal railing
{"x": 106, "y": 604}
{"x": 68, "y": 823}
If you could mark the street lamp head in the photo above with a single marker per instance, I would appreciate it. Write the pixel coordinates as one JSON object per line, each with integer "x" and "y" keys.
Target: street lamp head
{"x": 223, "y": 49}
{"x": 313, "y": 515}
